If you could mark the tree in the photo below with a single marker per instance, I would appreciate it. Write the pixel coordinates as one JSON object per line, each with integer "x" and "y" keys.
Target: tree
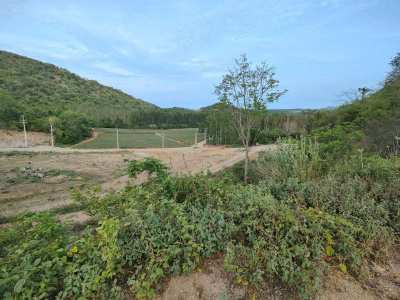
{"x": 72, "y": 127}
{"x": 10, "y": 112}
{"x": 394, "y": 74}
{"x": 364, "y": 91}
{"x": 246, "y": 91}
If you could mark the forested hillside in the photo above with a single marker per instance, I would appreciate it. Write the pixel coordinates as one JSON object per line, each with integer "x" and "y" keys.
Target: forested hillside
{"x": 41, "y": 90}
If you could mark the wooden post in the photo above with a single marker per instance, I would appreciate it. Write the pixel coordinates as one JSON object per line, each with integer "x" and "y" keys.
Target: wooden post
{"x": 25, "y": 134}
{"x": 51, "y": 135}
{"x": 117, "y": 138}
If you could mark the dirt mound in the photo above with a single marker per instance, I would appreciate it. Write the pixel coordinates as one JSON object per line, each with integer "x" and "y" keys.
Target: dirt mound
{"x": 13, "y": 138}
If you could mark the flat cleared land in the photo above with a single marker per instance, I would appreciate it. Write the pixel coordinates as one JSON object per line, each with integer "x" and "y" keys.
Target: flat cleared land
{"x": 38, "y": 181}
{"x": 106, "y": 138}
{"x": 13, "y": 138}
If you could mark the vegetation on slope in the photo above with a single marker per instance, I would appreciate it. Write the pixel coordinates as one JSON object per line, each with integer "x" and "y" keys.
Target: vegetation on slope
{"x": 39, "y": 91}
{"x": 43, "y": 90}
{"x": 376, "y": 117}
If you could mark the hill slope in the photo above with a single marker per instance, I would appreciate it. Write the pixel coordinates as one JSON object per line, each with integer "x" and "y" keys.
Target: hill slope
{"x": 377, "y": 117}
{"x": 41, "y": 89}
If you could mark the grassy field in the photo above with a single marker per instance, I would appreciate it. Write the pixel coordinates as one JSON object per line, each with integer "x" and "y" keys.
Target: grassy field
{"x": 142, "y": 138}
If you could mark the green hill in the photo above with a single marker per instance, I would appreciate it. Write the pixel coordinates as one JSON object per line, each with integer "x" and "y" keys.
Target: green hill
{"x": 40, "y": 89}
{"x": 376, "y": 119}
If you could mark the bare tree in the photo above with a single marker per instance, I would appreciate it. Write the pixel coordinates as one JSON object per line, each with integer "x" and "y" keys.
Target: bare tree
{"x": 364, "y": 91}
{"x": 246, "y": 91}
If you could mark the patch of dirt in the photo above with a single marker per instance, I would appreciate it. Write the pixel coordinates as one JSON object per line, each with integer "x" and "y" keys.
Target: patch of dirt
{"x": 78, "y": 217}
{"x": 384, "y": 283}
{"x": 13, "y": 138}
{"x": 209, "y": 283}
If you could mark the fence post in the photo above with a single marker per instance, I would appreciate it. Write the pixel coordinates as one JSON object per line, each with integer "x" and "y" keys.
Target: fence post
{"x": 117, "y": 138}
{"x": 25, "y": 134}
{"x": 51, "y": 135}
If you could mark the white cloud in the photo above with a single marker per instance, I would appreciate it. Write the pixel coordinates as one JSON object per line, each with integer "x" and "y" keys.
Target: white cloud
{"x": 112, "y": 69}
{"x": 69, "y": 49}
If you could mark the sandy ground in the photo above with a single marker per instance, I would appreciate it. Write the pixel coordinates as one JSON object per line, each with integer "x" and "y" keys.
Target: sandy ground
{"x": 105, "y": 168}
{"x": 15, "y": 139}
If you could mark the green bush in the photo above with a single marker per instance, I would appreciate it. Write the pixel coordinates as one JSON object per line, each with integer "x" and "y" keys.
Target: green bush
{"x": 338, "y": 141}
{"x": 94, "y": 261}
{"x": 149, "y": 164}
{"x": 291, "y": 248}
{"x": 33, "y": 256}
{"x": 72, "y": 128}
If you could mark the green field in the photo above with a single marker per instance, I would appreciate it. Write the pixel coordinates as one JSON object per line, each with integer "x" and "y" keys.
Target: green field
{"x": 142, "y": 138}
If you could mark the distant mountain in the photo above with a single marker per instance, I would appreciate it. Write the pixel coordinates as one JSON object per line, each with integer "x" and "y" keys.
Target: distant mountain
{"x": 43, "y": 89}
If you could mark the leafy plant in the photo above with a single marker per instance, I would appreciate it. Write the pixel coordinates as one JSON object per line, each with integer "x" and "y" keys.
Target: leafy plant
{"x": 149, "y": 164}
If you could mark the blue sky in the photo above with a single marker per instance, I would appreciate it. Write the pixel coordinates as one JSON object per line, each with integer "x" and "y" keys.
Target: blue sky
{"x": 173, "y": 53}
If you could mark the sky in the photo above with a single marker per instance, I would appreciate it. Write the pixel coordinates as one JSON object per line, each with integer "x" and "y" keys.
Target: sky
{"x": 174, "y": 53}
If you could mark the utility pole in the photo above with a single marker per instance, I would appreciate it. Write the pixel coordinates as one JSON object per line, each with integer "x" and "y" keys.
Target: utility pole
{"x": 51, "y": 135}
{"x": 205, "y": 136}
{"x": 195, "y": 136}
{"x": 117, "y": 138}
{"x": 162, "y": 136}
{"x": 25, "y": 135}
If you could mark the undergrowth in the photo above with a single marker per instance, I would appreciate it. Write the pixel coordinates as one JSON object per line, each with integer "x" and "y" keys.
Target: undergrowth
{"x": 302, "y": 216}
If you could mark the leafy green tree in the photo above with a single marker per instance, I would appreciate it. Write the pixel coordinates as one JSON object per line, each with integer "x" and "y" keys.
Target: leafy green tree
{"x": 246, "y": 91}
{"x": 72, "y": 127}
{"x": 9, "y": 111}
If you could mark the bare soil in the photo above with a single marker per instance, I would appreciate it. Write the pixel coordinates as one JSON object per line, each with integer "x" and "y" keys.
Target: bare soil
{"x": 105, "y": 168}
{"x": 13, "y": 138}
{"x": 211, "y": 281}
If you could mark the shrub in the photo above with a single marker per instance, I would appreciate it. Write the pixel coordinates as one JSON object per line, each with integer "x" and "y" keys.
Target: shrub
{"x": 33, "y": 257}
{"x": 94, "y": 262}
{"x": 338, "y": 141}
{"x": 149, "y": 164}
{"x": 291, "y": 247}
{"x": 72, "y": 128}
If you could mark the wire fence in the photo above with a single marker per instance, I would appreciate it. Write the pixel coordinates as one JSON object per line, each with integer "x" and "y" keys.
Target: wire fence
{"x": 144, "y": 138}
